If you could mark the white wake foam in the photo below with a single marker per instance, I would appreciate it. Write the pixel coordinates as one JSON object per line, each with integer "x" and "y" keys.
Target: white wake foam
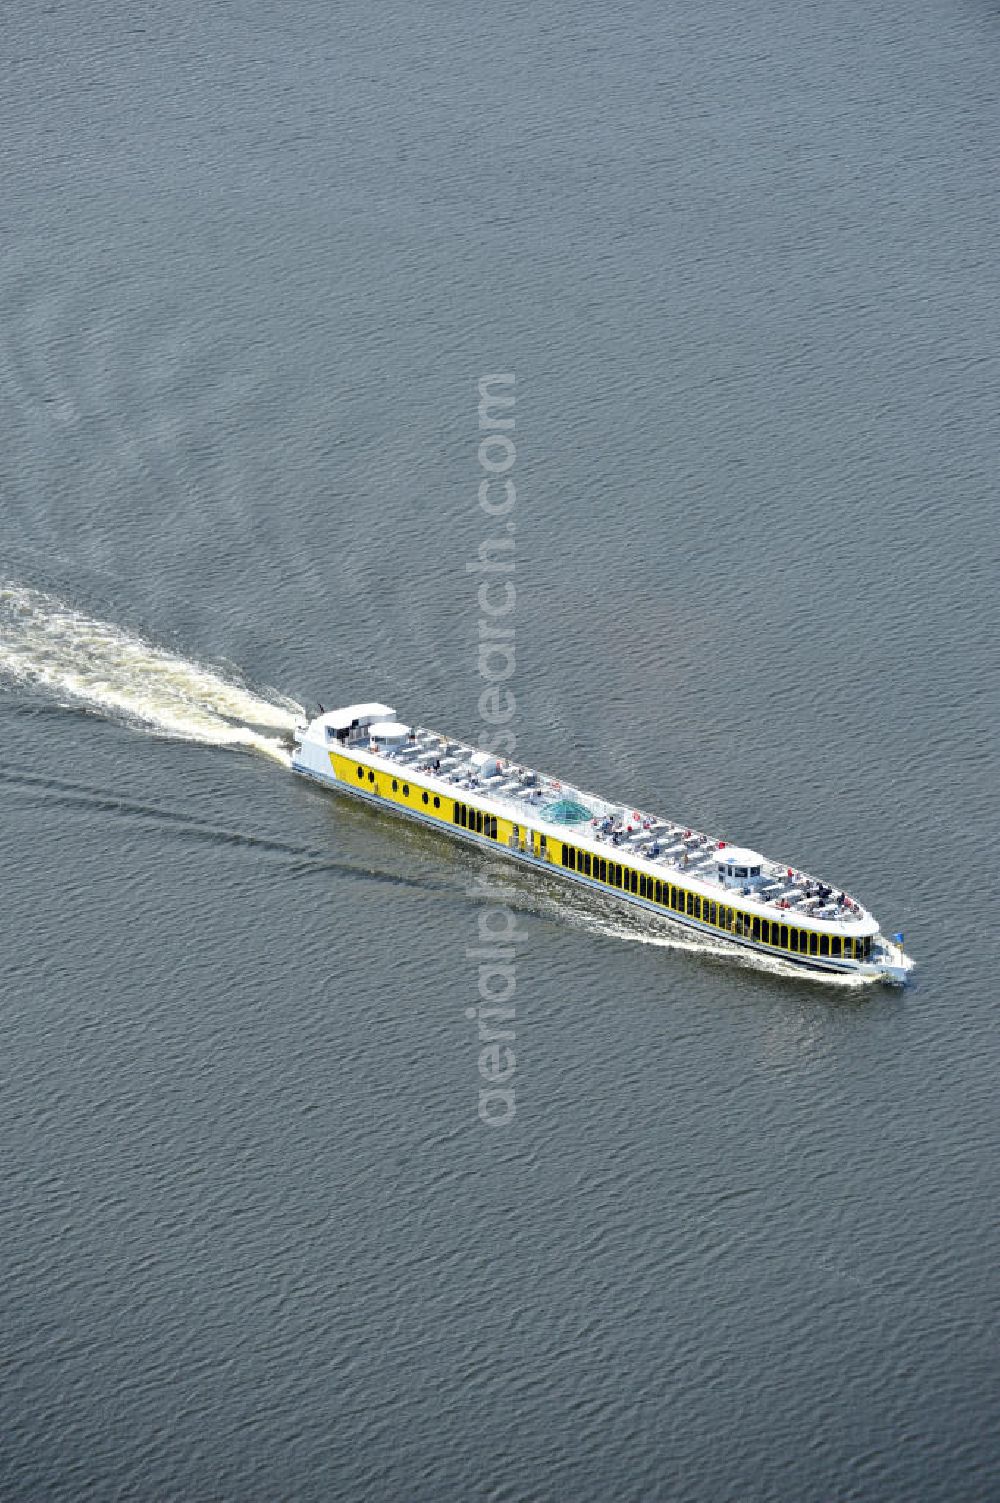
{"x": 45, "y": 642}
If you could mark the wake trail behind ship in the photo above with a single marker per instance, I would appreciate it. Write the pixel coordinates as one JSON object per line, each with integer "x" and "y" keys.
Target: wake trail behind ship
{"x": 69, "y": 656}
{"x": 48, "y": 645}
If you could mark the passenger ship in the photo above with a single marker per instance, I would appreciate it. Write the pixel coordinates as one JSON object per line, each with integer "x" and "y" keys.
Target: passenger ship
{"x": 655, "y": 864}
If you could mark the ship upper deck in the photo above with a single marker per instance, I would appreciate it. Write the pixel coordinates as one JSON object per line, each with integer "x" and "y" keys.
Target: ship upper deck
{"x": 661, "y": 847}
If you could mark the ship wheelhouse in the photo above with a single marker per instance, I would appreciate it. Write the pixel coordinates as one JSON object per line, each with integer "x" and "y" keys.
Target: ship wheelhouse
{"x": 739, "y": 869}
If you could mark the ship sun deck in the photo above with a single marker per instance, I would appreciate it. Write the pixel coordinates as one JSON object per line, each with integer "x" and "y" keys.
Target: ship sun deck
{"x": 534, "y": 798}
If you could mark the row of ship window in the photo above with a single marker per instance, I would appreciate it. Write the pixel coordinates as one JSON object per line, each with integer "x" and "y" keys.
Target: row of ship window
{"x": 474, "y": 819}
{"x": 781, "y": 935}
{"x": 425, "y": 796}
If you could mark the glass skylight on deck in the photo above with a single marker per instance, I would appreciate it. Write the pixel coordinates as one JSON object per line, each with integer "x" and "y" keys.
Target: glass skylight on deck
{"x": 566, "y": 811}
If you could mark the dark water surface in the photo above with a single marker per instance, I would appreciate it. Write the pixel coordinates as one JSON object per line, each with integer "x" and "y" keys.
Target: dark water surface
{"x": 739, "y": 1242}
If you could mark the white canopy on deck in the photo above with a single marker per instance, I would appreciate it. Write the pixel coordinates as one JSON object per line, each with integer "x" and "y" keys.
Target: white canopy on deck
{"x": 343, "y": 719}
